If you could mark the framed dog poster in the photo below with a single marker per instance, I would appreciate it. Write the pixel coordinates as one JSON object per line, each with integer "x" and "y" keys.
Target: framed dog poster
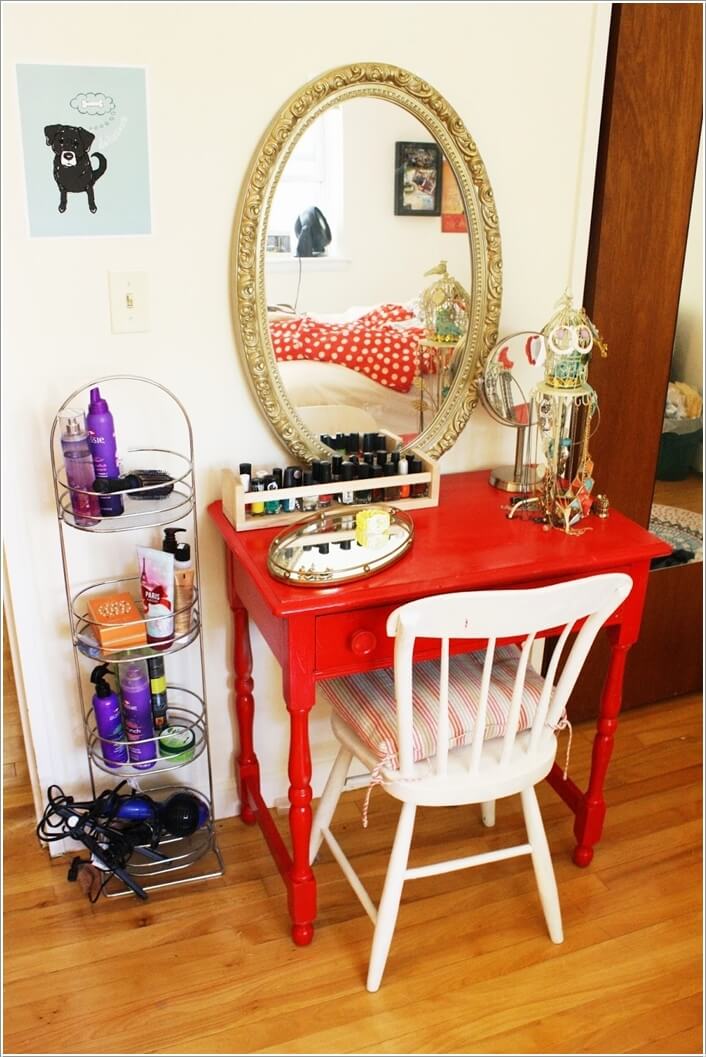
{"x": 84, "y": 133}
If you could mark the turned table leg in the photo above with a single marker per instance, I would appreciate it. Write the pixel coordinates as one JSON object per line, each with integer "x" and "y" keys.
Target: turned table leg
{"x": 247, "y": 771}
{"x": 299, "y": 692}
{"x": 590, "y": 814}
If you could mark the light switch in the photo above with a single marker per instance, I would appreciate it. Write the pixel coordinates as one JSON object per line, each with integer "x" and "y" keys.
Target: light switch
{"x": 128, "y": 302}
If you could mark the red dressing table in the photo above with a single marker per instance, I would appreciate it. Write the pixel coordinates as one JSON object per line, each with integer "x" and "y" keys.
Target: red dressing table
{"x": 466, "y": 543}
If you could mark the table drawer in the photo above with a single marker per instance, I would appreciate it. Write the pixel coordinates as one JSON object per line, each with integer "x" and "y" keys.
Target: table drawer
{"x": 354, "y": 642}
{"x": 347, "y": 642}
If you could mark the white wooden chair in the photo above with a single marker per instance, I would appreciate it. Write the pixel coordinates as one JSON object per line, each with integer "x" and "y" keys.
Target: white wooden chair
{"x": 465, "y": 729}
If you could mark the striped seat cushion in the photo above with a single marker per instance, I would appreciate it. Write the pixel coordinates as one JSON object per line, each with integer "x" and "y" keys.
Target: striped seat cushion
{"x": 365, "y": 701}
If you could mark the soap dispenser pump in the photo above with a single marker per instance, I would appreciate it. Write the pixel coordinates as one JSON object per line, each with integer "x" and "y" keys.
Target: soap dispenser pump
{"x": 170, "y": 542}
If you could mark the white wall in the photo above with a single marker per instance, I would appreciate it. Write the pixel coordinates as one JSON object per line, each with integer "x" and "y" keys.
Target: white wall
{"x": 526, "y": 80}
{"x": 385, "y": 256}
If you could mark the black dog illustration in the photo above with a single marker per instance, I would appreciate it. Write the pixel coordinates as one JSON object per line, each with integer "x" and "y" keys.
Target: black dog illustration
{"x": 73, "y": 170}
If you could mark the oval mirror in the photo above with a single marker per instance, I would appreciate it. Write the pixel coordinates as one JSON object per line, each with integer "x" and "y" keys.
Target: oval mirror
{"x": 365, "y": 191}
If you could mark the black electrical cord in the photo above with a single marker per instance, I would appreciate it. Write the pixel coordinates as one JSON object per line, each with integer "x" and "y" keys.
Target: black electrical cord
{"x": 92, "y": 824}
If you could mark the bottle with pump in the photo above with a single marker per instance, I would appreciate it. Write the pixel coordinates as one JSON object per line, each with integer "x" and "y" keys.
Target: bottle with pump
{"x": 183, "y": 579}
{"x": 137, "y": 710}
{"x": 101, "y": 440}
{"x": 109, "y": 721}
{"x": 78, "y": 465}
{"x": 170, "y": 541}
{"x": 183, "y": 589}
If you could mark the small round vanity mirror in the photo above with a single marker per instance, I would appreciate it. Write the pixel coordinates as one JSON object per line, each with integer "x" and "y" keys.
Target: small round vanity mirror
{"x": 330, "y": 549}
{"x": 513, "y": 369}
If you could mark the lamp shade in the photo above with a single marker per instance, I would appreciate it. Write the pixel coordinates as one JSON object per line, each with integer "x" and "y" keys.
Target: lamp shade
{"x": 313, "y": 233}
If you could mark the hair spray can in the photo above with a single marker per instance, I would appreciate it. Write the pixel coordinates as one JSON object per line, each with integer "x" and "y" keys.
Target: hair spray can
{"x": 137, "y": 709}
{"x": 101, "y": 438}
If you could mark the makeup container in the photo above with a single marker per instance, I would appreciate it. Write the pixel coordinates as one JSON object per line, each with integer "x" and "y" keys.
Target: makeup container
{"x": 381, "y": 456}
{"x": 369, "y": 458}
{"x": 177, "y": 744}
{"x": 370, "y": 442}
{"x": 309, "y": 502}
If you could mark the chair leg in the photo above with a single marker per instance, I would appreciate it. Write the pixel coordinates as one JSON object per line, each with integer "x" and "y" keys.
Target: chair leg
{"x": 329, "y": 800}
{"x": 542, "y": 863}
{"x": 391, "y": 895}
{"x": 487, "y": 813}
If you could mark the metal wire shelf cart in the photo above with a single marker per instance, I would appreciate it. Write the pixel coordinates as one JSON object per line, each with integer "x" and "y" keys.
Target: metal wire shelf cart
{"x": 144, "y": 507}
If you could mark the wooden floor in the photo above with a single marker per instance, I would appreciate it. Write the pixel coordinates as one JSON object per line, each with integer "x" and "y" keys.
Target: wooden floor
{"x": 210, "y": 968}
{"x": 687, "y": 494}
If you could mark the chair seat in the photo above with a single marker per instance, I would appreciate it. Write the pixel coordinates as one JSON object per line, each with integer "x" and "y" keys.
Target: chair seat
{"x": 365, "y": 702}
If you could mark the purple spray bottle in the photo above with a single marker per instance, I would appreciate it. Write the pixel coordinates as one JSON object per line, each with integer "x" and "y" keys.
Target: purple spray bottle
{"x": 101, "y": 438}
{"x": 78, "y": 466}
{"x": 109, "y": 723}
{"x": 137, "y": 710}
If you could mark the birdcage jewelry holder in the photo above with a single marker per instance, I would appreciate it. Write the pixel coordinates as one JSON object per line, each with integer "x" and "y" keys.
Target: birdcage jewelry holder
{"x": 564, "y": 407}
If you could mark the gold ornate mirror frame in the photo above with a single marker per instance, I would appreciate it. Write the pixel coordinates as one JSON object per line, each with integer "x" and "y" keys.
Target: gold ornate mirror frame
{"x": 249, "y": 304}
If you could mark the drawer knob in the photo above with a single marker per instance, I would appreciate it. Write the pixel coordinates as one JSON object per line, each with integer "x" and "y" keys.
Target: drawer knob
{"x": 363, "y": 643}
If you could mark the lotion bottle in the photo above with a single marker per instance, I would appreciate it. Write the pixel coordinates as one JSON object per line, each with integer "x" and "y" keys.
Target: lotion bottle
{"x": 183, "y": 589}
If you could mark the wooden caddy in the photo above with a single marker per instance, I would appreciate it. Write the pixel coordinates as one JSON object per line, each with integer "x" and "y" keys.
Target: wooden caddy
{"x": 236, "y": 501}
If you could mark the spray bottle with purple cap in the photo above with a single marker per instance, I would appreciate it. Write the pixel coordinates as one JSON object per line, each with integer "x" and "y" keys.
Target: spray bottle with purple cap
{"x": 101, "y": 439}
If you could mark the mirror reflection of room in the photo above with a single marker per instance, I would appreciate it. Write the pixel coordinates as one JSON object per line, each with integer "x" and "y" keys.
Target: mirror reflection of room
{"x": 345, "y": 315}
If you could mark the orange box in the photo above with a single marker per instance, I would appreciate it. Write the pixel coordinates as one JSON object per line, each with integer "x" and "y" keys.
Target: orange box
{"x": 112, "y": 616}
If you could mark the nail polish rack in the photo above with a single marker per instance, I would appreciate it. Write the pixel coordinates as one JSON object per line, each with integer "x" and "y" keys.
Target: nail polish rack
{"x": 237, "y": 503}
{"x": 196, "y": 857}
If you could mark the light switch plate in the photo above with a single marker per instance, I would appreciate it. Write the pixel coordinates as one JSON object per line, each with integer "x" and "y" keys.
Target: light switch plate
{"x": 128, "y": 302}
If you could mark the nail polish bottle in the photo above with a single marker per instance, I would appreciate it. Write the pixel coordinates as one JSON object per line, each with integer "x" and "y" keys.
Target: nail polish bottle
{"x": 257, "y": 485}
{"x": 392, "y": 492}
{"x": 309, "y": 502}
{"x": 420, "y": 489}
{"x": 289, "y": 505}
{"x": 245, "y": 471}
{"x": 377, "y": 493}
{"x": 347, "y": 474}
{"x": 325, "y": 478}
{"x": 403, "y": 470}
{"x": 364, "y": 472}
{"x": 271, "y": 505}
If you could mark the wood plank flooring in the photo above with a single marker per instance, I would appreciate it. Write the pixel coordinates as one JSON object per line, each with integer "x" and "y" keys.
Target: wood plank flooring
{"x": 211, "y": 968}
{"x": 687, "y": 494}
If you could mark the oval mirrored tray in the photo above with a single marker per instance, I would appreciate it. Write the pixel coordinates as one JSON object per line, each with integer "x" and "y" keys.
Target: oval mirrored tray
{"x": 324, "y": 550}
